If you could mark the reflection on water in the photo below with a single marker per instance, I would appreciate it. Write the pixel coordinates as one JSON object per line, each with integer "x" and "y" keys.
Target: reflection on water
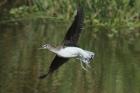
{"x": 116, "y": 68}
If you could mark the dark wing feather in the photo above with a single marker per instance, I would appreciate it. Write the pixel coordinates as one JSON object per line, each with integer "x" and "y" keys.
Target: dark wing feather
{"x": 56, "y": 63}
{"x": 70, "y": 39}
{"x": 72, "y": 36}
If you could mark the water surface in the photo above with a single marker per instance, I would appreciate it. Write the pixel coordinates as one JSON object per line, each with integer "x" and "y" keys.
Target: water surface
{"x": 115, "y": 69}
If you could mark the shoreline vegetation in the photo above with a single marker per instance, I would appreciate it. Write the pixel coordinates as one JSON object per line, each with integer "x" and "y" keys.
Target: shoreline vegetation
{"x": 113, "y": 16}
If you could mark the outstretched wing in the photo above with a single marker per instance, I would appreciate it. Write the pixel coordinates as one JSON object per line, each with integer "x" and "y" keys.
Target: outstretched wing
{"x": 72, "y": 36}
{"x": 70, "y": 39}
{"x": 56, "y": 63}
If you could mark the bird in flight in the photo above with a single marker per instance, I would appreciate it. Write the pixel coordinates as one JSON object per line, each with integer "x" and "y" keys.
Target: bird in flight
{"x": 69, "y": 48}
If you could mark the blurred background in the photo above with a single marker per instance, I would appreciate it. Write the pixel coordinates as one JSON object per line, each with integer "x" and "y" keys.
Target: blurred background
{"x": 111, "y": 30}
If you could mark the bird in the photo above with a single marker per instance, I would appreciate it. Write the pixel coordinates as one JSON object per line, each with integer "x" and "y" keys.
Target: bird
{"x": 69, "y": 48}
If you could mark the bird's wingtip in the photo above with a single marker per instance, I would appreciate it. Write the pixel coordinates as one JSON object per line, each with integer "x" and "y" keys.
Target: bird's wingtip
{"x": 79, "y": 8}
{"x": 43, "y": 76}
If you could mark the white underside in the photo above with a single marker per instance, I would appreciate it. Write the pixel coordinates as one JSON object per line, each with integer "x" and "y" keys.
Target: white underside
{"x": 68, "y": 52}
{"x": 74, "y": 52}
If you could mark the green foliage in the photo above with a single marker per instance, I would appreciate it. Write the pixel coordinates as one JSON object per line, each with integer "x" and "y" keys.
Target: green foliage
{"x": 23, "y": 11}
{"x": 111, "y": 15}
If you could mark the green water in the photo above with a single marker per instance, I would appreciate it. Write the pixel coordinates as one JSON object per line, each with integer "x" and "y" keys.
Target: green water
{"x": 115, "y": 69}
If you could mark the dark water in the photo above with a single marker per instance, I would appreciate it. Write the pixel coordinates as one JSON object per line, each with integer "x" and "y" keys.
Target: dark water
{"x": 115, "y": 69}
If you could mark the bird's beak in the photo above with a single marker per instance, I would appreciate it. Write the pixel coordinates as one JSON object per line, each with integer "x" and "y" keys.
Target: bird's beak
{"x": 41, "y": 48}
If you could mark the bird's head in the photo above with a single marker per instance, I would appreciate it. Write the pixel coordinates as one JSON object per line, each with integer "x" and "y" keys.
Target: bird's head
{"x": 46, "y": 46}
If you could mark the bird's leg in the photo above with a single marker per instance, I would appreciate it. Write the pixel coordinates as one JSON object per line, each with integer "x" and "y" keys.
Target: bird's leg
{"x": 87, "y": 65}
{"x": 82, "y": 60}
{"x": 87, "y": 61}
{"x": 83, "y": 66}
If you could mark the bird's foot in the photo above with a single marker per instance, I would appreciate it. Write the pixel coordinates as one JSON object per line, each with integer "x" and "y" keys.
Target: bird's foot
{"x": 87, "y": 65}
{"x": 83, "y": 66}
